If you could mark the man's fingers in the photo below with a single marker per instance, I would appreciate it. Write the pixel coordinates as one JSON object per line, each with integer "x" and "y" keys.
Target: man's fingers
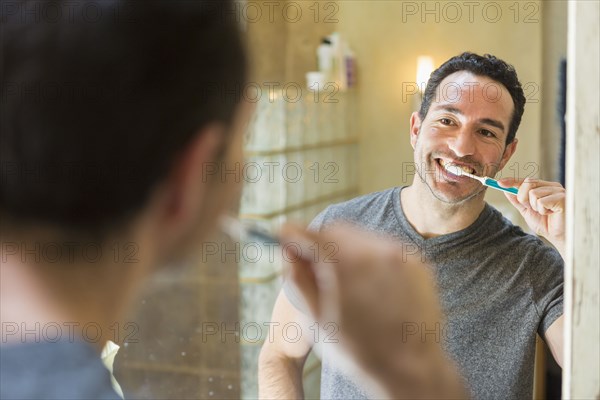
{"x": 516, "y": 182}
{"x": 515, "y": 202}
{"x": 295, "y": 245}
{"x": 345, "y": 261}
{"x": 531, "y": 191}
{"x": 524, "y": 189}
{"x": 540, "y": 196}
{"x": 305, "y": 281}
{"x": 552, "y": 203}
{"x": 298, "y": 240}
{"x": 510, "y": 182}
{"x": 378, "y": 289}
{"x": 539, "y": 202}
{"x": 537, "y": 193}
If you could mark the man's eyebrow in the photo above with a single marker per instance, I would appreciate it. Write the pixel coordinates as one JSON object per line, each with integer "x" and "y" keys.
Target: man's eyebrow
{"x": 487, "y": 121}
{"x": 449, "y": 109}
{"x": 492, "y": 122}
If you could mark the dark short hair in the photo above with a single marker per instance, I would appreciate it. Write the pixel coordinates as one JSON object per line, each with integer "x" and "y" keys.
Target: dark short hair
{"x": 486, "y": 65}
{"x": 97, "y": 104}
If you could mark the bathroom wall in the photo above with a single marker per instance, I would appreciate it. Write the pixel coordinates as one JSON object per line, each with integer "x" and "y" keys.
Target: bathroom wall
{"x": 309, "y": 132}
{"x": 169, "y": 354}
{"x": 387, "y": 37}
{"x": 554, "y": 42}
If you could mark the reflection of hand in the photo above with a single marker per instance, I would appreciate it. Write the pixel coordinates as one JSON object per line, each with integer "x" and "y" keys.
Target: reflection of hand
{"x": 542, "y": 205}
{"x": 382, "y": 301}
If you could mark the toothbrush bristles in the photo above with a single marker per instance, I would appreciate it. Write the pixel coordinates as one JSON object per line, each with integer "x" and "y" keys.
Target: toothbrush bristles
{"x": 454, "y": 169}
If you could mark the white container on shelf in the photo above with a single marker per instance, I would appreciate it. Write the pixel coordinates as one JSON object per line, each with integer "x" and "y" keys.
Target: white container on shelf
{"x": 316, "y": 80}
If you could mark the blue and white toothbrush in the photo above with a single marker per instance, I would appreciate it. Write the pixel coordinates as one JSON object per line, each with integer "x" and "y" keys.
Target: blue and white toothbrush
{"x": 486, "y": 181}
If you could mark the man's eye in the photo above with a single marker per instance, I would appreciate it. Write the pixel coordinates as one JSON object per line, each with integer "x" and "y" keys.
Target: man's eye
{"x": 446, "y": 121}
{"x": 487, "y": 133}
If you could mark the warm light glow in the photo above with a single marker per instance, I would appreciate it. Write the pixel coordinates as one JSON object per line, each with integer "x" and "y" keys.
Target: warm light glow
{"x": 424, "y": 69}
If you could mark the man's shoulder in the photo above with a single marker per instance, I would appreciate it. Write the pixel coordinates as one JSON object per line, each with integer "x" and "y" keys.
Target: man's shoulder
{"x": 519, "y": 244}
{"x": 363, "y": 210}
{"x": 358, "y": 204}
{"x": 48, "y": 370}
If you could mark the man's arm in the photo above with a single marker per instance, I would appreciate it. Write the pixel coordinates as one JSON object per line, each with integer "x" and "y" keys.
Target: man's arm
{"x": 542, "y": 205}
{"x": 281, "y": 361}
{"x": 353, "y": 288}
{"x": 554, "y": 338}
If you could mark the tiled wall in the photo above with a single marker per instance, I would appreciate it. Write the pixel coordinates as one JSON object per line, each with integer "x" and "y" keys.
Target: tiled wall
{"x": 171, "y": 358}
{"x": 303, "y": 157}
{"x": 180, "y": 349}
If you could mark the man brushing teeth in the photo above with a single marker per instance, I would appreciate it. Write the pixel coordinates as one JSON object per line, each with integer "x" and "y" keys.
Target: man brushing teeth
{"x": 465, "y": 122}
{"x": 498, "y": 285}
{"x": 450, "y": 176}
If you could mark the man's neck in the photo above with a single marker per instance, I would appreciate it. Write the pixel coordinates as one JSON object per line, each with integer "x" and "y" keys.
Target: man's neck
{"x": 431, "y": 217}
{"x": 66, "y": 304}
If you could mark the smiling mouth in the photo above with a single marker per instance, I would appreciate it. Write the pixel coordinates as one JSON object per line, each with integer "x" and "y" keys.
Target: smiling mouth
{"x": 465, "y": 168}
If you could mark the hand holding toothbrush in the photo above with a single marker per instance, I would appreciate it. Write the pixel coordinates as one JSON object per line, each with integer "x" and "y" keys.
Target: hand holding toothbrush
{"x": 542, "y": 205}
{"x": 373, "y": 291}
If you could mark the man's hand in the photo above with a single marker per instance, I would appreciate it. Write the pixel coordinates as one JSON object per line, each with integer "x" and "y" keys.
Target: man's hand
{"x": 382, "y": 300}
{"x": 542, "y": 205}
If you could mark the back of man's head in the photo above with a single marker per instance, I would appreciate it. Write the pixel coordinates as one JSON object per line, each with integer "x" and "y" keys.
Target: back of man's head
{"x": 98, "y": 98}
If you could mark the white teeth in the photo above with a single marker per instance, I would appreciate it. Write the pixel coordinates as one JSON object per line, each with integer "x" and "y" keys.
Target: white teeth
{"x": 463, "y": 167}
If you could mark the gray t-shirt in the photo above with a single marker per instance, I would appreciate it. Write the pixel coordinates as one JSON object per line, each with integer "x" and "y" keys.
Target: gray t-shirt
{"x": 62, "y": 370}
{"x": 498, "y": 287}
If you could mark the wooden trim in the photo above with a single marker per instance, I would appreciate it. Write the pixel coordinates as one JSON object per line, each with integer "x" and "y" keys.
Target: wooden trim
{"x": 581, "y": 360}
{"x": 539, "y": 370}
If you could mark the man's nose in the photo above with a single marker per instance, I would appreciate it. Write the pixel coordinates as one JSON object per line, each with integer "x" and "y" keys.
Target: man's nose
{"x": 462, "y": 144}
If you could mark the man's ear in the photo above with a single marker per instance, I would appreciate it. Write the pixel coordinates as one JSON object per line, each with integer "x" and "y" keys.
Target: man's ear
{"x": 187, "y": 183}
{"x": 508, "y": 152}
{"x": 415, "y": 127}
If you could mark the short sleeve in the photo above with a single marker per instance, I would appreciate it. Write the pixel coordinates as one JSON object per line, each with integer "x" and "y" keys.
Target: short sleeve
{"x": 319, "y": 221}
{"x": 547, "y": 279}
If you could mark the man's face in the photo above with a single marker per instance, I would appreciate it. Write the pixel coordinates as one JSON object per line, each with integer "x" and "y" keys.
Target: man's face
{"x": 467, "y": 125}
